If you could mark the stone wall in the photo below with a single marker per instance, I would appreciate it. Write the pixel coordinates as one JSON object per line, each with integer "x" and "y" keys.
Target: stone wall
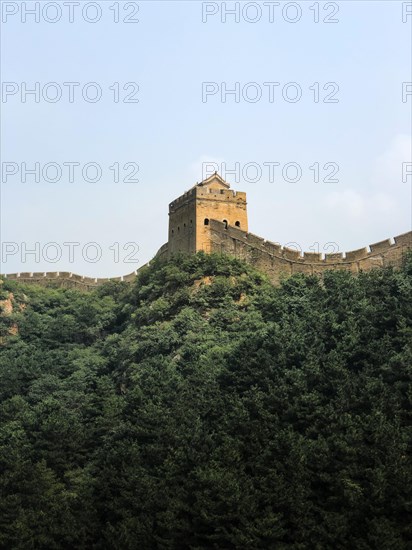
{"x": 271, "y": 258}
{"x": 182, "y": 223}
{"x": 278, "y": 261}
{"x": 64, "y": 279}
{"x": 218, "y": 204}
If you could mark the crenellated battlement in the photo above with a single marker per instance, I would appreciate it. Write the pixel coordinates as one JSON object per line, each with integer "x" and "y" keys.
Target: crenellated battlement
{"x": 206, "y": 193}
{"x": 274, "y": 259}
{"x": 220, "y": 194}
{"x": 380, "y": 247}
{"x": 278, "y": 261}
{"x": 65, "y": 279}
{"x": 187, "y": 196}
{"x": 212, "y": 217}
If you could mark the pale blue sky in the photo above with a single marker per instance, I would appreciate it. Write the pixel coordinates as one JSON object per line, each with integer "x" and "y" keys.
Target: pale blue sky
{"x": 170, "y": 132}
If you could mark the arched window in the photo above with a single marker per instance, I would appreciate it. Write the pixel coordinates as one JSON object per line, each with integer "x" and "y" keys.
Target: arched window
{"x": 206, "y": 221}
{"x": 178, "y": 228}
{"x": 173, "y": 231}
{"x": 237, "y": 224}
{"x": 225, "y": 222}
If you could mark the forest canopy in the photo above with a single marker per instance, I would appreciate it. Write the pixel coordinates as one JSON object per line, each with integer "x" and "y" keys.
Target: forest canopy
{"x": 201, "y": 407}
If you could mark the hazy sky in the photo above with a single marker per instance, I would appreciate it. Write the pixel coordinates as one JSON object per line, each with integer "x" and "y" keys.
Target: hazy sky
{"x": 345, "y": 109}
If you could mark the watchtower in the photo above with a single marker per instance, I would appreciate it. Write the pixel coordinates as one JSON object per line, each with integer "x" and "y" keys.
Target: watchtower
{"x": 190, "y": 214}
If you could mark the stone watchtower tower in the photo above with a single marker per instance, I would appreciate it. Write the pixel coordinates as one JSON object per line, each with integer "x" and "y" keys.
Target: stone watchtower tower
{"x": 191, "y": 213}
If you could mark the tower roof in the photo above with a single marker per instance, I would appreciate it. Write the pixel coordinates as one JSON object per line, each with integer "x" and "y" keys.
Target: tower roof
{"x": 214, "y": 180}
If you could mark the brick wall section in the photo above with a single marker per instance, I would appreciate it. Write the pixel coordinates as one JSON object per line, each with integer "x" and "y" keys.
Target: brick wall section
{"x": 213, "y": 218}
{"x": 278, "y": 261}
{"x": 64, "y": 279}
{"x": 271, "y": 258}
{"x": 218, "y": 204}
{"x": 182, "y": 223}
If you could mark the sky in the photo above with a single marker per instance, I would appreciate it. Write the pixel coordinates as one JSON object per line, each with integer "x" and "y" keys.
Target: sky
{"x": 306, "y": 106}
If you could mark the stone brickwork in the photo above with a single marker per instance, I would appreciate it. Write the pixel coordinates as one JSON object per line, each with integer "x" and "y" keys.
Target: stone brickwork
{"x": 64, "y": 279}
{"x": 211, "y": 217}
{"x": 190, "y": 214}
{"x": 279, "y": 262}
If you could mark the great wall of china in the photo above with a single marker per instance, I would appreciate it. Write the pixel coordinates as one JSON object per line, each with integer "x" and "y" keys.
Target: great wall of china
{"x": 65, "y": 279}
{"x": 277, "y": 261}
{"x": 211, "y": 217}
{"x": 271, "y": 258}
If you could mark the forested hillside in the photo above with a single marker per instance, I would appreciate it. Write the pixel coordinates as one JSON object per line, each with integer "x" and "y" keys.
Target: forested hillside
{"x": 203, "y": 408}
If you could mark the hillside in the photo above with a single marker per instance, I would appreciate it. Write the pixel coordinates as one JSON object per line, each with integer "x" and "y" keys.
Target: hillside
{"x": 201, "y": 407}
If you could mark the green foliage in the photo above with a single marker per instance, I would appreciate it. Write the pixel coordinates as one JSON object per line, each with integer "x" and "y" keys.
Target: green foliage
{"x": 201, "y": 407}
